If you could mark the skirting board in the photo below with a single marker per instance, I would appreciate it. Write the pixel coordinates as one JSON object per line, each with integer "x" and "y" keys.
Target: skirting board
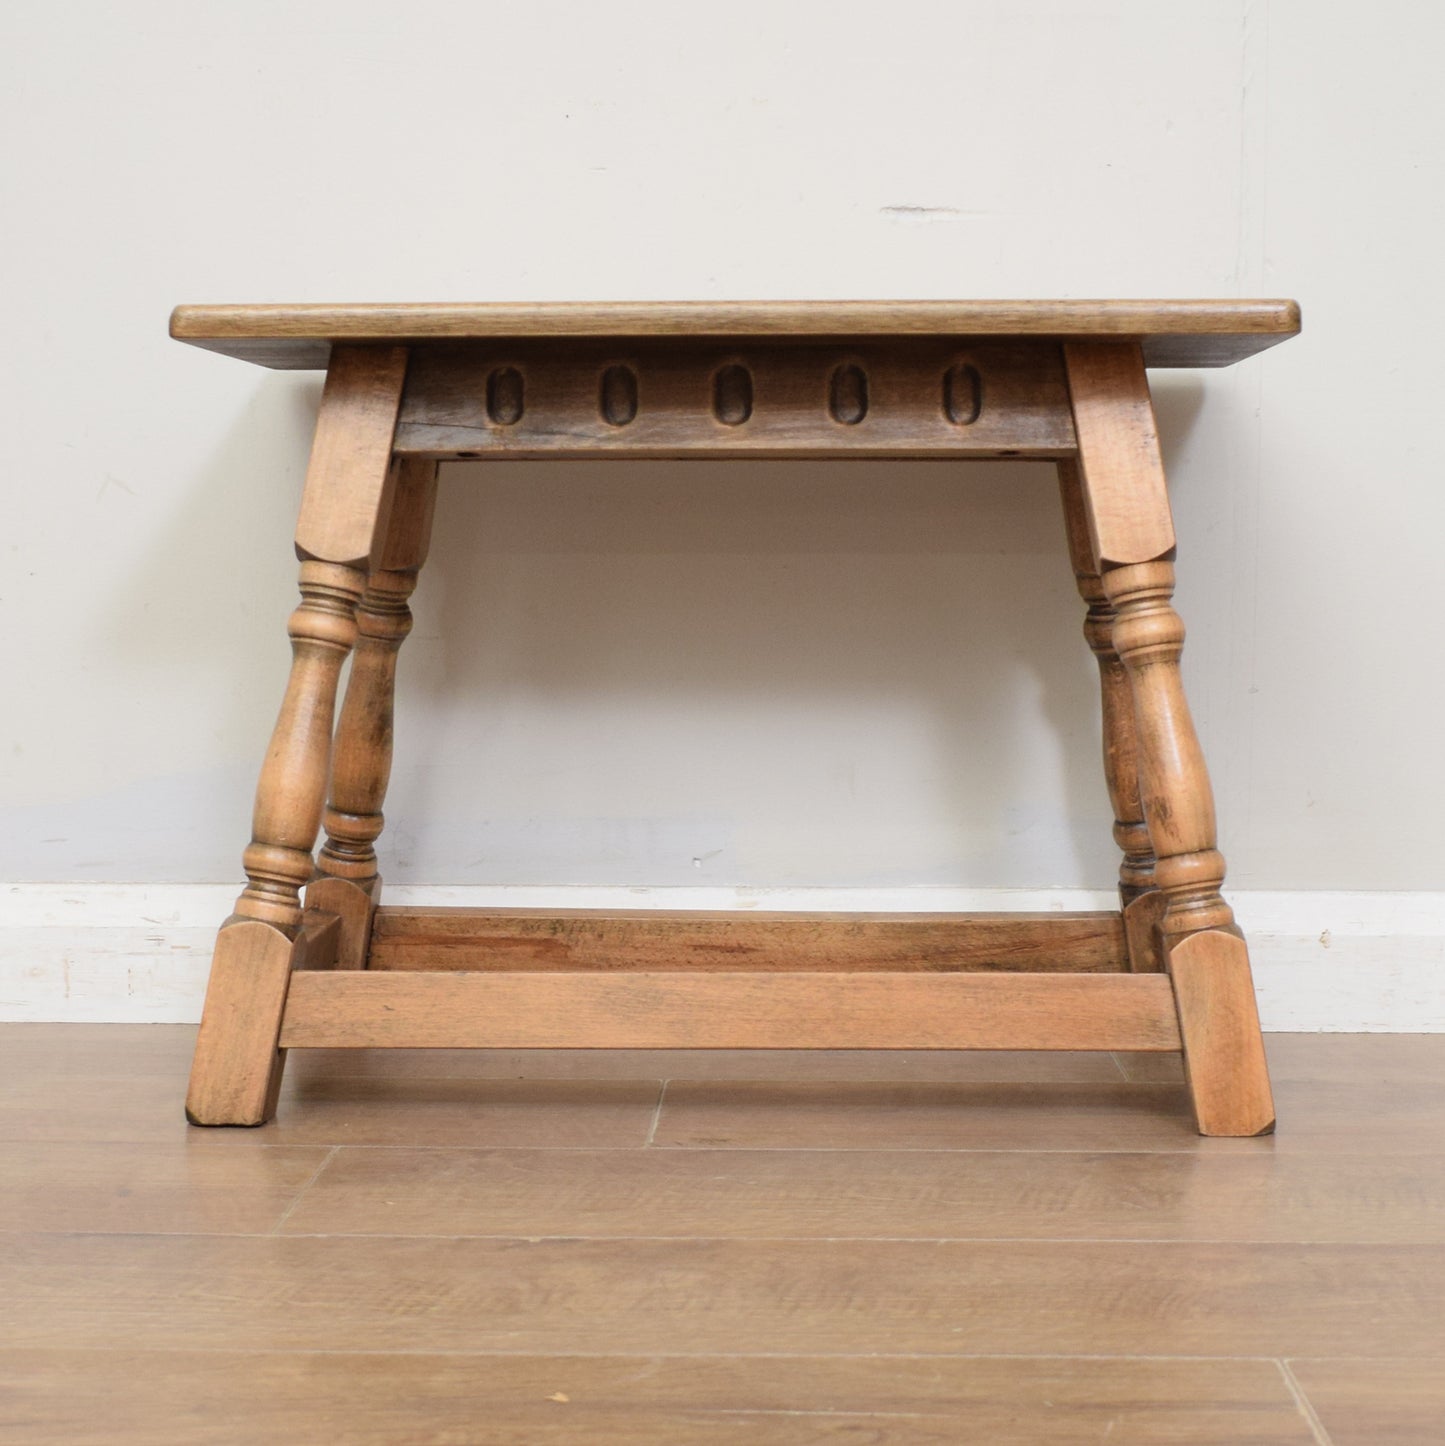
{"x": 138, "y": 953}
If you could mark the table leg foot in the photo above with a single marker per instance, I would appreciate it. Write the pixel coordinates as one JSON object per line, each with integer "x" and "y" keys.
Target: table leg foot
{"x": 236, "y": 1072}
{"x": 1219, "y": 1024}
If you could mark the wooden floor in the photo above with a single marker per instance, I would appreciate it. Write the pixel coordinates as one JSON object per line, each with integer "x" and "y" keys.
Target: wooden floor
{"x": 560, "y": 1247}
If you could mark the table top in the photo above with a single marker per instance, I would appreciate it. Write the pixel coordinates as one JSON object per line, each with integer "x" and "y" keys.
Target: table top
{"x": 1172, "y": 333}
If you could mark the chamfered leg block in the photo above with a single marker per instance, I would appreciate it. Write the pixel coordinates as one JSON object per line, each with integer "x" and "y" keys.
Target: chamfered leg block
{"x": 1219, "y": 1024}
{"x": 1132, "y": 539}
{"x": 236, "y": 1071}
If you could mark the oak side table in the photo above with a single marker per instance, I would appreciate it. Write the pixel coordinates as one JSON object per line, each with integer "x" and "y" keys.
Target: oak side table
{"x": 310, "y": 958}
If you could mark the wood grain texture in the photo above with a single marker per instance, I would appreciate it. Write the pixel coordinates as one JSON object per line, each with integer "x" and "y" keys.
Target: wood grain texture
{"x": 1377, "y": 1403}
{"x": 236, "y": 1072}
{"x": 638, "y": 398}
{"x": 708, "y": 1010}
{"x": 349, "y": 904}
{"x": 787, "y": 1099}
{"x": 1121, "y": 483}
{"x": 720, "y": 1297}
{"x": 1123, "y": 490}
{"x": 1345, "y": 1117}
{"x": 848, "y": 1115}
{"x": 1366, "y": 1097}
{"x": 345, "y": 501}
{"x": 1414, "y": 1063}
{"x": 1174, "y": 785}
{"x": 397, "y": 1065}
{"x": 512, "y": 1113}
{"x": 819, "y": 1193}
{"x": 236, "y": 1069}
{"x": 1224, "y": 1059}
{"x": 406, "y": 544}
{"x": 361, "y": 751}
{"x": 286, "y": 815}
{"x": 924, "y": 1262}
{"x": 127, "y": 1397}
{"x": 163, "y": 1051}
{"x": 613, "y": 1108}
{"x": 1142, "y": 917}
{"x": 63, "y": 1050}
{"x": 515, "y": 939}
{"x": 1120, "y": 730}
{"x": 1175, "y": 333}
{"x": 163, "y": 1187}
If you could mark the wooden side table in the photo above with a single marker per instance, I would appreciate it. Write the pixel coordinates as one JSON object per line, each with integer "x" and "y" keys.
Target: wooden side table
{"x": 310, "y": 959}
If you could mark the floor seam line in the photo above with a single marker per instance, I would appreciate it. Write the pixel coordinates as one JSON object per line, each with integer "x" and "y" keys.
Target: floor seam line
{"x": 296, "y": 1199}
{"x": 1303, "y": 1402}
{"x": 656, "y": 1114}
{"x": 642, "y": 1355}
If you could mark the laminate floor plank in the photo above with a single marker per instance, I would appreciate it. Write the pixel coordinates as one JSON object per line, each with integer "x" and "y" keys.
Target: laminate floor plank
{"x": 791, "y": 1247}
{"x": 722, "y": 1297}
{"x": 1336, "y": 1116}
{"x": 73, "y": 1105}
{"x": 169, "y": 1187}
{"x": 752, "y": 1114}
{"x": 327, "y": 1111}
{"x": 101, "y": 1050}
{"x": 1379, "y": 1111}
{"x": 554, "y": 1112}
{"x": 1377, "y": 1403}
{"x": 225, "y": 1398}
{"x": 822, "y": 1194}
{"x": 1145, "y": 1068}
{"x": 1407, "y": 1059}
{"x": 129, "y": 1050}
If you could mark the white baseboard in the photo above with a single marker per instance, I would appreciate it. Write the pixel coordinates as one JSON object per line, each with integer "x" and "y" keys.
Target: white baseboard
{"x": 138, "y": 953}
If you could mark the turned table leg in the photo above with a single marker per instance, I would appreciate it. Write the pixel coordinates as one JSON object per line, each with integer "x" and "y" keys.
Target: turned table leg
{"x": 1132, "y": 537}
{"x": 347, "y": 882}
{"x": 1141, "y": 900}
{"x": 236, "y": 1072}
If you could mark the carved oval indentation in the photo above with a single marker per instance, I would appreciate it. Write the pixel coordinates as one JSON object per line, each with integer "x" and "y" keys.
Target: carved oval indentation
{"x": 618, "y": 397}
{"x": 848, "y": 394}
{"x": 732, "y": 394}
{"x": 506, "y": 396}
{"x": 962, "y": 394}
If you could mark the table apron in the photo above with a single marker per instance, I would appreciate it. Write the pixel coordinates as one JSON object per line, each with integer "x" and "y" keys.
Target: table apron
{"x": 730, "y": 397}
